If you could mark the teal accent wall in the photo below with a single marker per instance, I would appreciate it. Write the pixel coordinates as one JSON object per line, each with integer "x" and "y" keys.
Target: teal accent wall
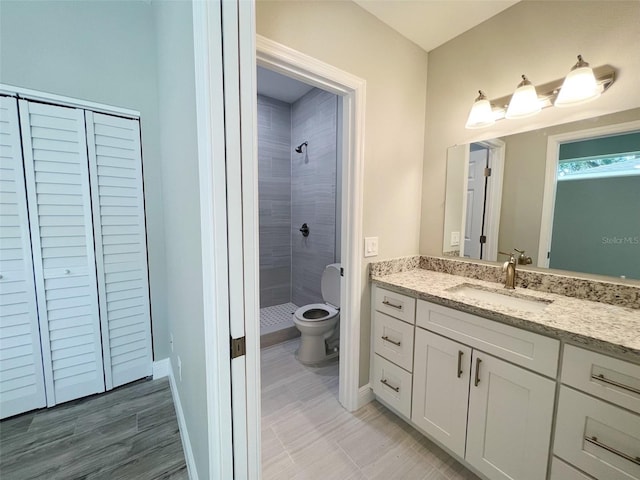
{"x": 612, "y": 145}
{"x": 596, "y": 226}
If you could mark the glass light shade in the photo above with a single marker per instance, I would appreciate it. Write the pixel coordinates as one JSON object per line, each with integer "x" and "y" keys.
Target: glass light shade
{"x": 579, "y": 86}
{"x": 524, "y": 102}
{"x": 481, "y": 114}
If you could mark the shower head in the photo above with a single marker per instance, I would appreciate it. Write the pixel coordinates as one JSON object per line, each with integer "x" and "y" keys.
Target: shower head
{"x": 299, "y": 147}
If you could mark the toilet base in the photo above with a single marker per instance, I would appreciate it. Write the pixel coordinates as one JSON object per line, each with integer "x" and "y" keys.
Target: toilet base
{"x": 313, "y": 350}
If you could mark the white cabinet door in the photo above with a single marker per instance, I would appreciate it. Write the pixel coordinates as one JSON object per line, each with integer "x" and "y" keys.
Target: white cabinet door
{"x": 441, "y": 389}
{"x": 21, "y": 376}
{"x": 57, "y": 180}
{"x": 510, "y": 414}
{"x": 121, "y": 250}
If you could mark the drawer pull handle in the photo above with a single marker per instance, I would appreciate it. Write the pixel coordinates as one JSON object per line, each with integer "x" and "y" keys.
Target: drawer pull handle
{"x": 389, "y": 304}
{"x": 460, "y": 353}
{"x": 594, "y": 441}
{"x": 384, "y": 382}
{"x": 477, "y": 379}
{"x": 603, "y": 379}
{"x": 387, "y": 339}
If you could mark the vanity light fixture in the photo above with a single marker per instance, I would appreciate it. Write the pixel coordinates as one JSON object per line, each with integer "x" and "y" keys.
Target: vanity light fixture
{"x": 577, "y": 88}
{"x": 524, "y": 101}
{"x": 481, "y": 114}
{"x": 580, "y": 86}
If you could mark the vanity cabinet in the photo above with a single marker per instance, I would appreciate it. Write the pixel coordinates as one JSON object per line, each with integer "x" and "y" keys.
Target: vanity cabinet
{"x": 495, "y": 415}
{"x": 393, "y": 331}
{"x": 441, "y": 389}
{"x": 486, "y": 391}
{"x": 598, "y": 419}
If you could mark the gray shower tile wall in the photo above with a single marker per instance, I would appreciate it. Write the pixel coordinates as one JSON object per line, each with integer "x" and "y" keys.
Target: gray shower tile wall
{"x": 274, "y": 195}
{"x": 313, "y": 193}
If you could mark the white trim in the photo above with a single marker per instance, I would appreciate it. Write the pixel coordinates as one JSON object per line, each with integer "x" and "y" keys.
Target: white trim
{"x": 494, "y": 196}
{"x": 251, "y": 264}
{"x": 551, "y": 172}
{"x": 365, "y": 395}
{"x": 167, "y": 369}
{"x": 207, "y": 48}
{"x": 352, "y": 89}
{"x": 46, "y": 97}
{"x": 161, "y": 368}
{"x": 465, "y": 187}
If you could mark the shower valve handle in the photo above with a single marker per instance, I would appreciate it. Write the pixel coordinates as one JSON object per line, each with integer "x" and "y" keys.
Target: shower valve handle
{"x": 305, "y": 230}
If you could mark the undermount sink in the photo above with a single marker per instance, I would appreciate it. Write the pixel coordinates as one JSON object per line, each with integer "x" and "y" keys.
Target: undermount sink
{"x": 504, "y": 299}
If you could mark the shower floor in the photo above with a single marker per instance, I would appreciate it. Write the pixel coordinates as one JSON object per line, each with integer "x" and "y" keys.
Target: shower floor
{"x": 276, "y": 324}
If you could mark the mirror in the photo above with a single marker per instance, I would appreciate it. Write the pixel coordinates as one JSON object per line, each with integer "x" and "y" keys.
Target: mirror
{"x": 567, "y": 195}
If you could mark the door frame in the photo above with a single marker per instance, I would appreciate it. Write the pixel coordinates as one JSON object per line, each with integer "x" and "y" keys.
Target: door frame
{"x": 551, "y": 177}
{"x": 493, "y": 205}
{"x": 352, "y": 90}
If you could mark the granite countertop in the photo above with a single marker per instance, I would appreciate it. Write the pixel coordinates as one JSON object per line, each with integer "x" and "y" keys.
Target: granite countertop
{"x": 611, "y": 329}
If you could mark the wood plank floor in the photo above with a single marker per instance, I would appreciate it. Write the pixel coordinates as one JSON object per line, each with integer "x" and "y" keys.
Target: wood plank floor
{"x": 127, "y": 433}
{"x": 306, "y": 434}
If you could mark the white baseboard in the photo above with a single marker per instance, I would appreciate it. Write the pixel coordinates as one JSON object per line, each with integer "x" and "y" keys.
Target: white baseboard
{"x": 365, "y": 395}
{"x": 163, "y": 368}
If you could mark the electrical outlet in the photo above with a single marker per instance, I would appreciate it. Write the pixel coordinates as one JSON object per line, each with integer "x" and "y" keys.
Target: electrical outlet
{"x": 179, "y": 368}
{"x": 171, "y": 341}
{"x": 370, "y": 246}
{"x": 455, "y": 239}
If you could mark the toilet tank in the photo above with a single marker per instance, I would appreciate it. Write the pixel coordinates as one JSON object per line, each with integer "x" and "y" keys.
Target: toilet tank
{"x": 330, "y": 284}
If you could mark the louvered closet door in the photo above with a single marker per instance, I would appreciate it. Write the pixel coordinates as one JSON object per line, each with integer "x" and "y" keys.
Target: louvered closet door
{"x": 56, "y": 170}
{"x": 21, "y": 376}
{"x": 121, "y": 250}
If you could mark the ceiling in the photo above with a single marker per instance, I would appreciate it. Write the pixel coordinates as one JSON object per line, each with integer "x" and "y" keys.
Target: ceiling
{"x": 274, "y": 85}
{"x": 430, "y": 23}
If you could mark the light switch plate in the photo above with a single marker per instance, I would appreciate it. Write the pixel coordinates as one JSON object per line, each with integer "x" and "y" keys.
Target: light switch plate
{"x": 370, "y": 246}
{"x": 455, "y": 239}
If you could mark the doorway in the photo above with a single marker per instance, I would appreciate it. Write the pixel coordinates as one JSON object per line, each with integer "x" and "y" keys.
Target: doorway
{"x": 350, "y": 92}
{"x": 481, "y": 205}
{"x": 299, "y": 175}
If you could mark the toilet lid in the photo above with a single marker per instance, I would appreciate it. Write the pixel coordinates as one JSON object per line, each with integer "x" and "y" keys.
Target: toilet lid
{"x": 330, "y": 284}
{"x": 314, "y": 312}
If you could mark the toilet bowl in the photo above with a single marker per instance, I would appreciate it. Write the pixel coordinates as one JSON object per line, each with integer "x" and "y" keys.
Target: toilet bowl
{"x": 317, "y": 322}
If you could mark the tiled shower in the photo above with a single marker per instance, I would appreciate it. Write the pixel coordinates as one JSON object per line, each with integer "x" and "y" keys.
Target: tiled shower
{"x": 296, "y": 188}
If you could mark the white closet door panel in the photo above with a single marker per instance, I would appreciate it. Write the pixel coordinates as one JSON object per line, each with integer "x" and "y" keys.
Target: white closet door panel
{"x": 118, "y": 209}
{"x": 56, "y": 169}
{"x": 22, "y": 385}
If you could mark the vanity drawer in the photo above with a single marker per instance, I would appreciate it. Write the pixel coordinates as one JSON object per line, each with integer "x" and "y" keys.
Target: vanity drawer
{"x": 530, "y": 350}
{"x": 395, "y": 304}
{"x": 392, "y": 384}
{"x": 564, "y": 471}
{"x": 393, "y": 340}
{"x": 601, "y": 439}
{"x": 611, "y": 379}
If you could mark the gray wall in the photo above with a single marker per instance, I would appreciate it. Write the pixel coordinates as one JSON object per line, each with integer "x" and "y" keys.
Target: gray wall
{"x": 596, "y": 226}
{"x": 274, "y": 191}
{"x": 181, "y": 207}
{"x": 105, "y": 52}
{"x": 313, "y": 192}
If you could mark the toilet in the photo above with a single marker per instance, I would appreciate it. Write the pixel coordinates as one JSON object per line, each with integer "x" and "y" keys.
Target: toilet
{"x": 318, "y": 322}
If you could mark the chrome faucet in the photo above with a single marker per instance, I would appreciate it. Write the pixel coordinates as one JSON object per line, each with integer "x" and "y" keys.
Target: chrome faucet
{"x": 510, "y": 268}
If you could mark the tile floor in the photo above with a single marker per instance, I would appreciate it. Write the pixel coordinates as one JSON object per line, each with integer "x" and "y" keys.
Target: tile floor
{"x": 306, "y": 434}
{"x": 277, "y": 317}
{"x": 128, "y": 433}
